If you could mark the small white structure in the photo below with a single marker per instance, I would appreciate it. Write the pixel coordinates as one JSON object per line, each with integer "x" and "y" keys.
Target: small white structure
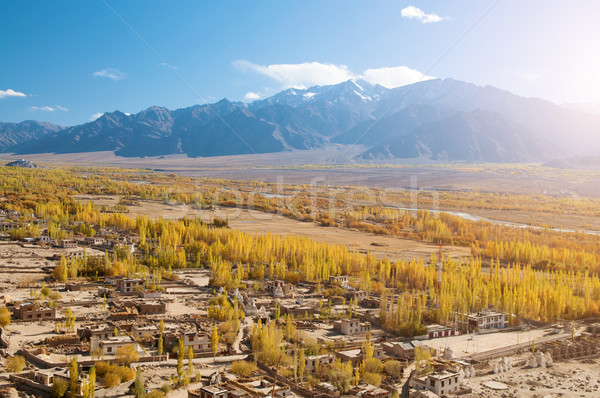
{"x": 352, "y": 327}
{"x": 448, "y": 354}
{"x": 129, "y": 285}
{"x": 342, "y": 281}
{"x": 250, "y": 309}
{"x": 321, "y": 360}
{"x": 278, "y": 292}
{"x": 440, "y": 383}
{"x": 110, "y": 345}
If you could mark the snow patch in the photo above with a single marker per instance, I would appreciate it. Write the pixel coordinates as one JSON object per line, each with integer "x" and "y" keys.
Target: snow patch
{"x": 357, "y": 85}
{"x": 364, "y": 98}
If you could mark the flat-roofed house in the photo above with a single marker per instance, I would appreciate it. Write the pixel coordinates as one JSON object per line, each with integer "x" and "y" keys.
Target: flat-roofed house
{"x": 111, "y": 344}
{"x": 352, "y": 327}
{"x": 441, "y": 383}
{"x": 33, "y": 312}
{"x": 67, "y": 244}
{"x": 484, "y": 320}
{"x": 129, "y": 285}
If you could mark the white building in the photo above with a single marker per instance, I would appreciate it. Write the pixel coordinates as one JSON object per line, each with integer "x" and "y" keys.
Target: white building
{"x": 322, "y": 360}
{"x": 486, "y": 319}
{"x": 440, "y": 383}
{"x": 342, "y": 281}
{"x": 352, "y": 327}
{"x": 110, "y": 345}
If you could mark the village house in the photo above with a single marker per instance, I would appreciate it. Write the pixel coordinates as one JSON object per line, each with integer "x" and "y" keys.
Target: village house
{"x": 92, "y": 241}
{"x": 440, "y": 383}
{"x": 94, "y": 335}
{"x": 208, "y": 392}
{"x": 321, "y": 360}
{"x": 357, "y": 295}
{"x": 199, "y": 341}
{"x": 67, "y": 244}
{"x": 42, "y": 380}
{"x": 144, "y": 332}
{"x": 434, "y": 331}
{"x": 484, "y": 320}
{"x": 8, "y": 225}
{"x": 356, "y": 355}
{"x": 33, "y": 312}
{"x": 129, "y": 285}
{"x": 369, "y": 391}
{"x": 111, "y": 344}
{"x": 352, "y": 327}
{"x": 404, "y": 349}
{"x": 45, "y": 239}
{"x": 341, "y": 281}
{"x": 151, "y": 308}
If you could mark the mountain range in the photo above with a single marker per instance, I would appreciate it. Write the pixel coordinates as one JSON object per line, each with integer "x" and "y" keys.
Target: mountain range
{"x": 445, "y": 120}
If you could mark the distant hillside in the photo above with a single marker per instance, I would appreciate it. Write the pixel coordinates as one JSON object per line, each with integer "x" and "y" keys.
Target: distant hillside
{"x": 473, "y": 137}
{"x": 436, "y": 119}
{"x": 12, "y": 134}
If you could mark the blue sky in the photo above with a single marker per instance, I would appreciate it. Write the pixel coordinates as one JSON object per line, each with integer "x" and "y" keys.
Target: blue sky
{"x": 65, "y": 61}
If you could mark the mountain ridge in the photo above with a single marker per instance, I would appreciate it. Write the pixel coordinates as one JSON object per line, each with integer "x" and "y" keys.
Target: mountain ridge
{"x": 432, "y": 119}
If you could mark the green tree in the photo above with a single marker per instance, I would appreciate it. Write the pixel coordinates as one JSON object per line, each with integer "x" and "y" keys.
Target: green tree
{"x": 16, "y": 364}
{"x": 181, "y": 376}
{"x": 190, "y": 361}
{"x": 160, "y": 345}
{"x": 127, "y": 355}
{"x": 393, "y": 368}
{"x": 422, "y": 360}
{"x": 89, "y": 389}
{"x": 214, "y": 342}
{"x": 59, "y": 387}
{"x": 61, "y": 271}
{"x": 242, "y": 368}
{"x": 74, "y": 377}
{"x": 70, "y": 320}
{"x": 340, "y": 375}
{"x": 4, "y": 317}
{"x": 139, "y": 387}
{"x": 301, "y": 364}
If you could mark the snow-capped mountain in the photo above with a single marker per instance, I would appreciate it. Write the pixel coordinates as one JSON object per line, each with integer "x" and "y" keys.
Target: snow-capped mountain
{"x": 435, "y": 119}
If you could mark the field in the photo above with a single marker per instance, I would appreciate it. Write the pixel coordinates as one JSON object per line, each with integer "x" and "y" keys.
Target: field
{"x": 260, "y": 223}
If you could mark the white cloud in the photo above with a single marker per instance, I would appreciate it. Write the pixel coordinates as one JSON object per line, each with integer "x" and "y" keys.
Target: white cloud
{"x": 412, "y": 12}
{"x": 302, "y": 75}
{"x": 11, "y": 93}
{"x": 61, "y": 108}
{"x": 111, "y": 73}
{"x": 252, "y": 96}
{"x": 396, "y": 76}
{"x": 43, "y": 108}
{"x": 95, "y": 116}
{"x": 309, "y": 74}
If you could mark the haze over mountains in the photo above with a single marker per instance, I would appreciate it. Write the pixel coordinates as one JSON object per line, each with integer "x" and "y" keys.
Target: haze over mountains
{"x": 445, "y": 120}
